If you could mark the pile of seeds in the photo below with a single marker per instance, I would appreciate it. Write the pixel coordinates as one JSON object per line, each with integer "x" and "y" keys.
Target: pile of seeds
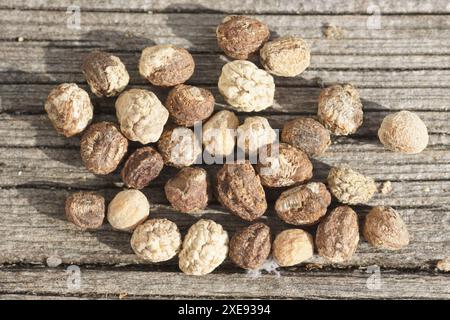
{"x": 239, "y": 186}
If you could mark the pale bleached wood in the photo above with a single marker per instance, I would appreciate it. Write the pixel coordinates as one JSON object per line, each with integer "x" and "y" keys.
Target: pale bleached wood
{"x": 239, "y": 6}
{"x": 134, "y": 30}
{"x": 64, "y": 166}
{"x": 37, "y": 131}
{"x": 112, "y": 283}
{"x": 388, "y": 63}
{"x": 287, "y": 100}
{"x": 54, "y": 65}
{"x": 49, "y": 54}
{"x": 33, "y": 227}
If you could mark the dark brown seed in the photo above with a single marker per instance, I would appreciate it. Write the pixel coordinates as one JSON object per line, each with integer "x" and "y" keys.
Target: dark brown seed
{"x": 188, "y": 104}
{"x": 188, "y": 190}
{"x": 105, "y": 73}
{"x": 142, "y": 166}
{"x": 303, "y": 205}
{"x": 306, "y": 134}
{"x": 241, "y": 36}
{"x": 239, "y": 189}
{"x": 103, "y": 147}
{"x": 290, "y": 167}
{"x": 250, "y": 247}
{"x": 85, "y": 209}
{"x": 337, "y": 236}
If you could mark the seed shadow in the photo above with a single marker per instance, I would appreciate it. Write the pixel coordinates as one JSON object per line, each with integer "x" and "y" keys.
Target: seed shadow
{"x": 50, "y": 202}
{"x": 371, "y": 122}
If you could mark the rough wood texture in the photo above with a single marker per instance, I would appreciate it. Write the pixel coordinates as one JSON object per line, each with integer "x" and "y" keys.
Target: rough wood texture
{"x": 400, "y": 64}
{"x": 53, "y": 65}
{"x": 239, "y": 6}
{"x": 287, "y": 100}
{"x": 38, "y": 214}
{"x": 300, "y": 284}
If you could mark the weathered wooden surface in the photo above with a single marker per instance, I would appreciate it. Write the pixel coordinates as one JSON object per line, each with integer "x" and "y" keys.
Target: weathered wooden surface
{"x": 290, "y": 284}
{"x": 239, "y": 6}
{"x": 401, "y": 64}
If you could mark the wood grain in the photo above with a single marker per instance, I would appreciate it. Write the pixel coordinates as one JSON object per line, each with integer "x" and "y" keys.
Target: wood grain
{"x": 141, "y": 28}
{"x": 37, "y": 131}
{"x": 346, "y": 284}
{"x": 239, "y": 6}
{"x": 287, "y": 100}
{"x": 33, "y": 227}
{"x": 53, "y": 65}
{"x": 402, "y": 64}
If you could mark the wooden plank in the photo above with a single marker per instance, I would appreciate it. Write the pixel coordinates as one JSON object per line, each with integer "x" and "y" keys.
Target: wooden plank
{"x": 7, "y": 297}
{"x": 62, "y": 67}
{"x": 239, "y": 6}
{"x": 287, "y": 100}
{"x": 33, "y": 226}
{"x": 37, "y": 131}
{"x": 54, "y": 65}
{"x": 344, "y": 285}
{"x": 51, "y": 56}
{"x": 113, "y": 31}
{"x": 54, "y": 59}
{"x": 42, "y": 166}
{"x": 99, "y": 25}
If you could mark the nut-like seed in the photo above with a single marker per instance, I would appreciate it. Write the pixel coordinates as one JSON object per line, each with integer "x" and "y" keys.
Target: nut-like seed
{"x": 105, "y": 73}
{"x": 340, "y": 109}
{"x": 141, "y": 167}
{"x": 69, "y": 109}
{"x": 403, "y": 132}
{"x": 241, "y": 36}
{"x": 286, "y": 56}
{"x": 204, "y": 248}
{"x": 292, "y": 246}
{"x": 287, "y": 167}
{"x": 239, "y": 189}
{"x": 103, "y": 147}
{"x": 188, "y": 104}
{"x": 179, "y": 147}
{"x": 303, "y": 205}
{"x": 333, "y": 32}
{"x": 386, "y": 187}
{"x": 443, "y": 265}
{"x": 306, "y": 134}
{"x": 254, "y": 133}
{"x": 128, "y": 209}
{"x": 219, "y": 133}
{"x": 349, "y": 186}
{"x": 188, "y": 190}
{"x": 85, "y": 210}
{"x": 156, "y": 240}
{"x": 385, "y": 229}
{"x": 250, "y": 247}
{"x": 246, "y": 87}
{"x": 337, "y": 236}
{"x": 141, "y": 115}
{"x": 166, "y": 65}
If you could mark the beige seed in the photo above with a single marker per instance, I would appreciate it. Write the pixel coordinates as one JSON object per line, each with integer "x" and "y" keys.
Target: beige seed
{"x": 385, "y": 229}
{"x": 292, "y": 246}
{"x": 403, "y": 132}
